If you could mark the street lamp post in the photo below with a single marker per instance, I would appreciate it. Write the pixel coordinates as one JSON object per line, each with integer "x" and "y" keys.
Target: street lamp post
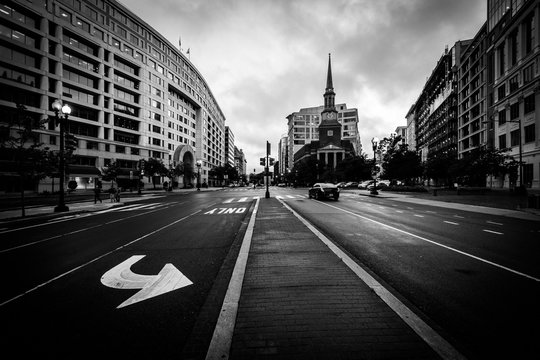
{"x": 65, "y": 110}
{"x": 375, "y": 144}
{"x": 199, "y": 164}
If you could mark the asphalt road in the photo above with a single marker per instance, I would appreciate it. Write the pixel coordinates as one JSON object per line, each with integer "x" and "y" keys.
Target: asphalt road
{"x": 473, "y": 277}
{"x": 64, "y": 295}
{"x": 147, "y": 279}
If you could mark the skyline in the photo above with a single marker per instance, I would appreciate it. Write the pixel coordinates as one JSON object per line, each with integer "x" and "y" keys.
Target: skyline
{"x": 264, "y": 60}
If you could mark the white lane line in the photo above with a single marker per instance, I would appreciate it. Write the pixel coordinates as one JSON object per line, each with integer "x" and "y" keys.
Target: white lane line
{"x": 438, "y": 244}
{"x": 244, "y": 199}
{"x": 459, "y": 216}
{"x": 430, "y": 336}
{"x": 290, "y": 196}
{"x": 220, "y": 344}
{"x": 493, "y": 232}
{"x": 493, "y": 223}
{"x": 95, "y": 259}
{"x": 228, "y": 201}
{"x": 399, "y": 211}
{"x": 451, "y": 222}
{"x": 417, "y": 215}
{"x": 431, "y": 212}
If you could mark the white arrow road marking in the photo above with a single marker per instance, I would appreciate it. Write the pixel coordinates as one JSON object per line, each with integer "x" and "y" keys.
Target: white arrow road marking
{"x": 121, "y": 277}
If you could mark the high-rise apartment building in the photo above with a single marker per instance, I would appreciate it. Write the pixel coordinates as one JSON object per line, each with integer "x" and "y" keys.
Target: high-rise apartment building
{"x": 229, "y": 146}
{"x": 513, "y": 55}
{"x": 472, "y": 97}
{"x": 133, "y": 94}
{"x": 436, "y": 107}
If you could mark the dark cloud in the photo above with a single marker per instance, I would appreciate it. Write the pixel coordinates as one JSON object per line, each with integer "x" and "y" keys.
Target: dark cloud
{"x": 266, "y": 59}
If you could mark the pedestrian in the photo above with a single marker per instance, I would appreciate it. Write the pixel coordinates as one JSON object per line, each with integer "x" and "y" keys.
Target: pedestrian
{"x": 112, "y": 194}
{"x": 97, "y": 192}
{"x": 117, "y": 198}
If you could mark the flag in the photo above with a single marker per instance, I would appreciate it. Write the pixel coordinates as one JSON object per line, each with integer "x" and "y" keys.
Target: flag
{"x": 188, "y": 51}
{"x": 180, "y": 42}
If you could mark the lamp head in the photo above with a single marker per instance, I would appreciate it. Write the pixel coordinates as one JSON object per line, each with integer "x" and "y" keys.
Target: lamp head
{"x": 57, "y": 105}
{"x": 375, "y": 142}
{"x": 66, "y": 109}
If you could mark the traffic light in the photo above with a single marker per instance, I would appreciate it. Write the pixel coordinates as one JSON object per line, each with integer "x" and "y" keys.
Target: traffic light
{"x": 271, "y": 161}
{"x": 70, "y": 142}
{"x": 262, "y": 162}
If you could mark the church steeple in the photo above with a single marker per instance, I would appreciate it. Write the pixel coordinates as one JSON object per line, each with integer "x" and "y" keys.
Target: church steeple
{"x": 329, "y": 83}
{"x": 329, "y": 112}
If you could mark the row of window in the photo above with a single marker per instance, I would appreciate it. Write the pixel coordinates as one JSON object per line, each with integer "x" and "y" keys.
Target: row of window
{"x": 530, "y": 136}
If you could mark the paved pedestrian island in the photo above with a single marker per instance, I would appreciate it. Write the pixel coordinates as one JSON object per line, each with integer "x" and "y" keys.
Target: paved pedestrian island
{"x": 299, "y": 300}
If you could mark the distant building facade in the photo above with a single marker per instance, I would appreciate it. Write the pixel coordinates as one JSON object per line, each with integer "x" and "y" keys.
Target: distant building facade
{"x": 240, "y": 162}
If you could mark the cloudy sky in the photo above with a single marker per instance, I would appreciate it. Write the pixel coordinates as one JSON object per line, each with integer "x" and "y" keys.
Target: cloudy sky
{"x": 265, "y": 59}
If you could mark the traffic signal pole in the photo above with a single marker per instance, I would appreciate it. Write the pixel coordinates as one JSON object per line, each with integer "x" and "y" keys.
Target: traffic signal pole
{"x": 267, "y": 195}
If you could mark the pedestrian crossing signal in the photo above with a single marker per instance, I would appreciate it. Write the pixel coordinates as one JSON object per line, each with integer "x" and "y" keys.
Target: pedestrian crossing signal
{"x": 262, "y": 162}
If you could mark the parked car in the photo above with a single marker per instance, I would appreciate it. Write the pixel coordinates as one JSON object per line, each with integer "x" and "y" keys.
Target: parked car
{"x": 323, "y": 191}
{"x": 351, "y": 184}
{"x": 341, "y": 184}
{"x": 365, "y": 184}
{"x": 381, "y": 184}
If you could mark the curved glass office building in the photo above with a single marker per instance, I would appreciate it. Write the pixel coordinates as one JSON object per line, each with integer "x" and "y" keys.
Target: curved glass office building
{"x": 132, "y": 93}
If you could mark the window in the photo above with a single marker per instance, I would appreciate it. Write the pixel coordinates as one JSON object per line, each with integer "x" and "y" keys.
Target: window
{"x": 528, "y": 74}
{"x": 330, "y": 133}
{"x": 528, "y": 174}
{"x": 514, "y": 83}
{"x": 530, "y": 132}
{"x": 502, "y": 141}
{"x": 513, "y": 48}
{"x": 502, "y": 117}
{"x": 529, "y": 34}
{"x": 514, "y": 111}
{"x": 529, "y": 104}
{"x": 501, "y": 92}
{"x": 514, "y": 138}
{"x": 500, "y": 52}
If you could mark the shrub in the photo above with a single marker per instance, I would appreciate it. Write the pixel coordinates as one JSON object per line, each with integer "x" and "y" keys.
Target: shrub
{"x": 406, "y": 188}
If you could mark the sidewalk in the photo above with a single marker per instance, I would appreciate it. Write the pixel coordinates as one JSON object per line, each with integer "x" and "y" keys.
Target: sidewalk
{"x": 299, "y": 300}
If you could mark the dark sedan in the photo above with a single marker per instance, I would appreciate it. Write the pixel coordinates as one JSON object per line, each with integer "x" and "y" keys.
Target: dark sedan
{"x": 323, "y": 191}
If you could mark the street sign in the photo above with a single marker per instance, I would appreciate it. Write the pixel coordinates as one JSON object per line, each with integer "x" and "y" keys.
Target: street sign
{"x": 121, "y": 277}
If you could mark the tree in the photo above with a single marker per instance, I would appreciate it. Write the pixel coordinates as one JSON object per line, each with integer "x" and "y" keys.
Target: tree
{"x": 154, "y": 167}
{"x": 306, "y": 171}
{"x": 21, "y": 149}
{"x": 110, "y": 173}
{"x": 354, "y": 168}
{"x": 402, "y": 164}
{"x": 439, "y": 168}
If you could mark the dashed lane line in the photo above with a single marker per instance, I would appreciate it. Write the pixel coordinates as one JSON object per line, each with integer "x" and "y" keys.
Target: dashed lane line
{"x": 451, "y": 222}
{"x": 493, "y": 232}
{"x": 494, "y": 223}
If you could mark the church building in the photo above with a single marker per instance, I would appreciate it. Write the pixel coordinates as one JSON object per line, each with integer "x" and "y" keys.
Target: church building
{"x": 330, "y": 149}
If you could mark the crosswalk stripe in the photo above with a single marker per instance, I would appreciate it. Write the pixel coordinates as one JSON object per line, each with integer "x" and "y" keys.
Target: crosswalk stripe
{"x": 138, "y": 207}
